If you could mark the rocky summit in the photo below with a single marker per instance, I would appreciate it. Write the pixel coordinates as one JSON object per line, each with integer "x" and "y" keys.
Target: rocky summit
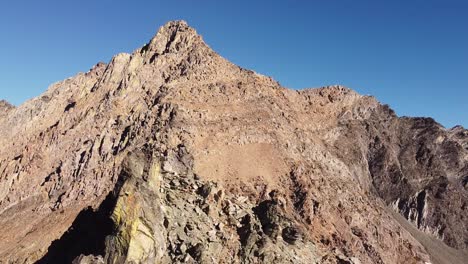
{"x": 172, "y": 154}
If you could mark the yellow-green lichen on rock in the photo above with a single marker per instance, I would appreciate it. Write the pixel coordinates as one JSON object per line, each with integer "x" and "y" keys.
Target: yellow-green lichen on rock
{"x": 141, "y": 242}
{"x": 137, "y": 215}
{"x": 124, "y": 216}
{"x": 154, "y": 176}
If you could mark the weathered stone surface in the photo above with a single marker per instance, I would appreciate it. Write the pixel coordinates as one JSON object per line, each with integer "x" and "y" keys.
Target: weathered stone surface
{"x": 171, "y": 154}
{"x": 5, "y": 108}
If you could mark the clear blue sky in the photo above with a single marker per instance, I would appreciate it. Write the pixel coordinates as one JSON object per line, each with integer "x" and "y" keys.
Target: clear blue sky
{"x": 412, "y": 55}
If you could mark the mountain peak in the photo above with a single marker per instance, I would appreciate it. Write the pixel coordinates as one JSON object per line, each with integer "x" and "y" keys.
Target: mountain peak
{"x": 174, "y": 36}
{"x": 175, "y": 23}
{"x": 162, "y": 154}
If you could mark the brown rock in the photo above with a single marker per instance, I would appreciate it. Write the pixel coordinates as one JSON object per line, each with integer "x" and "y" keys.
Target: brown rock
{"x": 133, "y": 147}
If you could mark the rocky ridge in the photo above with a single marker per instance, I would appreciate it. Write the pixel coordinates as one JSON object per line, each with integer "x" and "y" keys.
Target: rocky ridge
{"x": 172, "y": 154}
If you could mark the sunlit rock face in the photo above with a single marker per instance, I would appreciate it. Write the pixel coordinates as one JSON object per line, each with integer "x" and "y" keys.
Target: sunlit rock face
{"x": 172, "y": 154}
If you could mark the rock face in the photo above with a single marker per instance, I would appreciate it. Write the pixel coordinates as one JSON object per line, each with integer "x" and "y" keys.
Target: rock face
{"x": 5, "y": 107}
{"x": 172, "y": 154}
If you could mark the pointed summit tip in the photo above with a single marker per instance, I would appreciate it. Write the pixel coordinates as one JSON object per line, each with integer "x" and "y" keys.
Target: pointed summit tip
{"x": 178, "y": 23}
{"x": 174, "y": 36}
{"x": 174, "y": 26}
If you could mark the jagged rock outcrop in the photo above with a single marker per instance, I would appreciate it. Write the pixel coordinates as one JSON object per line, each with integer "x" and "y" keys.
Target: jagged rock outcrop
{"x": 172, "y": 154}
{"x": 5, "y": 107}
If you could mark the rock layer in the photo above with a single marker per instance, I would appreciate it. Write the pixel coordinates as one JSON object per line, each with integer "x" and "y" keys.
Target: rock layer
{"x": 179, "y": 156}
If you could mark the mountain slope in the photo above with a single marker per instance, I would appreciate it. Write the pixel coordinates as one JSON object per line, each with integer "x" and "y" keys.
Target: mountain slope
{"x": 173, "y": 154}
